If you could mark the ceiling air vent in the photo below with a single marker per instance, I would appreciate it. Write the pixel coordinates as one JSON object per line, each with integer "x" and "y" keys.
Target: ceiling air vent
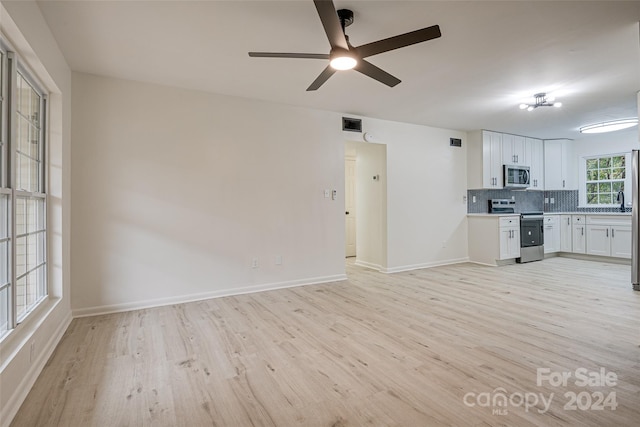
{"x": 351, "y": 125}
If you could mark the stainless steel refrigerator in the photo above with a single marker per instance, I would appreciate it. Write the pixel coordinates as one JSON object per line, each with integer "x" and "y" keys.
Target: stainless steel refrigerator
{"x": 635, "y": 187}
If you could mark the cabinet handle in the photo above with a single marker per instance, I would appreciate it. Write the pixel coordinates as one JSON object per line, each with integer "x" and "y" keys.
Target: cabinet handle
{"x": 568, "y": 219}
{"x": 563, "y": 183}
{"x": 582, "y": 231}
{"x": 517, "y": 158}
{"x": 607, "y": 230}
{"x": 612, "y": 233}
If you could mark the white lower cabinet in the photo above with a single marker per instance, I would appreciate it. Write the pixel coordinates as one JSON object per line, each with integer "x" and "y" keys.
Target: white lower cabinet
{"x": 566, "y": 243}
{"x": 621, "y": 241}
{"x": 551, "y": 234}
{"x": 494, "y": 238}
{"x": 578, "y": 234}
{"x": 598, "y": 242}
{"x": 509, "y": 242}
{"x": 608, "y": 236}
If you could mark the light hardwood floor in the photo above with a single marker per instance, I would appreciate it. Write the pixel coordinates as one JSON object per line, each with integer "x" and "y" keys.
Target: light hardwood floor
{"x": 383, "y": 350}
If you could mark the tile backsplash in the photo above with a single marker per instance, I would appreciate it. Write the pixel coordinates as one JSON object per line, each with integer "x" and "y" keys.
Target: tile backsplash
{"x": 563, "y": 201}
{"x": 532, "y": 201}
{"x": 526, "y": 201}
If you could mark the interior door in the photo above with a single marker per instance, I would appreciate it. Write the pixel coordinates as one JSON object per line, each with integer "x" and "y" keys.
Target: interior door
{"x": 350, "y": 206}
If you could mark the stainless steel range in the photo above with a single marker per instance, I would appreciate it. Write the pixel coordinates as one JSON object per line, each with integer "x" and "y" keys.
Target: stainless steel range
{"x": 531, "y": 237}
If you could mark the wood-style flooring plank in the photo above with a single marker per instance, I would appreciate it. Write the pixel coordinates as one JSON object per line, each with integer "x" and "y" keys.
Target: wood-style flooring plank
{"x": 406, "y": 349}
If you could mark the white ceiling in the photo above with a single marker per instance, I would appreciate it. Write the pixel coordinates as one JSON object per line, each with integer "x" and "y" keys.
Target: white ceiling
{"x": 491, "y": 56}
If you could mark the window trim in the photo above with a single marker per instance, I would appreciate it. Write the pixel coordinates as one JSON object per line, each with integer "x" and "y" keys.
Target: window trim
{"x": 12, "y": 66}
{"x": 583, "y": 179}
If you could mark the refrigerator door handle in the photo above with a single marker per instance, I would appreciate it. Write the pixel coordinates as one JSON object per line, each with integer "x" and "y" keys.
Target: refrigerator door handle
{"x": 635, "y": 274}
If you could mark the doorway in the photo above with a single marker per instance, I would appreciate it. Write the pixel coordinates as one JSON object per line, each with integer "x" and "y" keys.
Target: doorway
{"x": 366, "y": 204}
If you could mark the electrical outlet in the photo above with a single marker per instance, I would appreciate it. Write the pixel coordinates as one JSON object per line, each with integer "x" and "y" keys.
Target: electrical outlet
{"x": 327, "y": 194}
{"x": 553, "y": 200}
{"x": 473, "y": 199}
{"x": 278, "y": 259}
{"x": 254, "y": 263}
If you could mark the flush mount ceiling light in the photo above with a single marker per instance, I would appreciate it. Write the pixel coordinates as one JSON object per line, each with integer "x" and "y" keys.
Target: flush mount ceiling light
{"x": 542, "y": 100}
{"x": 609, "y": 126}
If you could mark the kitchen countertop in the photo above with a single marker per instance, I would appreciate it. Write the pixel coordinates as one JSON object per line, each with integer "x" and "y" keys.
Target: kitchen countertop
{"x": 590, "y": 213}
{"x": 554, "y": 213}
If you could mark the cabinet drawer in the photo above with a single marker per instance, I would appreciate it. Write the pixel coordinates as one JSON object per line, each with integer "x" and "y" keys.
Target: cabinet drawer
{"x": 509, "y": 221}
{"x": 551, "y": 219}
{"x": 578, "y": 219}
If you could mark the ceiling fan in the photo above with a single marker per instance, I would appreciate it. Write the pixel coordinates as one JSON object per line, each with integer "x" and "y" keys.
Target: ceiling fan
{"x": 343, "y": 55}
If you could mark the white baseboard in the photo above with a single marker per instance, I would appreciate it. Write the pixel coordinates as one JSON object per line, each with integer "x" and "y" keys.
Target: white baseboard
{"x": 138, "y": 305}
{"x": 20, "y": 393}
{"x": 424, "y": 265}
{"x": 366, "y": 264}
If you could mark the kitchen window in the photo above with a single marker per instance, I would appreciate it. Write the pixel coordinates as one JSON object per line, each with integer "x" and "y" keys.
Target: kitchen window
{"x": 23, "y": 233}
{"x": 604, "y": 177}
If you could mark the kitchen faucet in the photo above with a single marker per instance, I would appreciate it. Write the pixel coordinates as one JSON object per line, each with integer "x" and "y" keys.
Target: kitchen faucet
{"x": 621, "y": 200}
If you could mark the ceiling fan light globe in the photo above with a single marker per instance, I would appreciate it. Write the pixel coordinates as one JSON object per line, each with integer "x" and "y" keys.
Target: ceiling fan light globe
{"x": 530, "y": 108}
{"x": 557, "y": 104}
{"x": 343, "y": 62}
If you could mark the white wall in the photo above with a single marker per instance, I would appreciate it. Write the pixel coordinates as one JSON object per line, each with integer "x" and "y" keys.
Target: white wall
{"x": 426, "y": 180}
{"x": 24, "y": 27}
{"x": 176, "y": 191}
{"x": 602, "y": 144}
{"x": 606, "y": 143}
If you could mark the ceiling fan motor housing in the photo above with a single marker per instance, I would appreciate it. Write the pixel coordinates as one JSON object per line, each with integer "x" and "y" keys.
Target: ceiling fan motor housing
{"x": 346, "y": 17}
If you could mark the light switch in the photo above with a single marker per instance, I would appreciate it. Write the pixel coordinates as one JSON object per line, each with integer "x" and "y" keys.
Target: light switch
{"x": 334, "y": 194}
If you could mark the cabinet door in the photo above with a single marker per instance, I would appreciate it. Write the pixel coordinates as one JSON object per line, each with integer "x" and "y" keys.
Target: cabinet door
{"x": 514, "y": 250}
{"x": 579, "y": 239}
{"x": 513, "y": 150}
{"x": 598, "y": 240}
{"x": 551, "y": 238}
{"x": 509, "y": 242}
{"x": 621, "y": 241}
{"x": 534, "y": 158}
{"x": 565, "y": 233}
{"x": 491, "y": 159}
{"x": 553, "y": 165}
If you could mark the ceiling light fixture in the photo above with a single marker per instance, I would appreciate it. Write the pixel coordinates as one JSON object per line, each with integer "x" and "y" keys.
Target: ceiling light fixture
{"x": 542, "y": 100}
{"x": 609, "y": 126}
{"x": 342, "y": 60}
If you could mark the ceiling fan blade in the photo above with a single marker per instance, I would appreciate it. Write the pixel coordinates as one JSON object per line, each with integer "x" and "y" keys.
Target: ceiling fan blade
{"x": 368, "y": 69}
{"x": 331, "y": 23}
{"x": 397, "y": 42}
{"x": 323, "y": 77}
{"x": 288, "y": 55}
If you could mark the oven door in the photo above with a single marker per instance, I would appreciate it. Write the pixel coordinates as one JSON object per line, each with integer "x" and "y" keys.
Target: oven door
{"x": 531, "y": 232}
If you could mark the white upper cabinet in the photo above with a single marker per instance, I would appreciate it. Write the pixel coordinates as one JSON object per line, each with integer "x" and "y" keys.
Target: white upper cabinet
{"x": 484, "y": 160}
{"x": 558, "y": 170}
{"x": 513, "y": 150}
{"x": 534, "y": 158}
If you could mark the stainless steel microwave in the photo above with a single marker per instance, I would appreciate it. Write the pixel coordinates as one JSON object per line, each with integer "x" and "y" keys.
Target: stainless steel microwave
{"x": 516, "y": 176}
